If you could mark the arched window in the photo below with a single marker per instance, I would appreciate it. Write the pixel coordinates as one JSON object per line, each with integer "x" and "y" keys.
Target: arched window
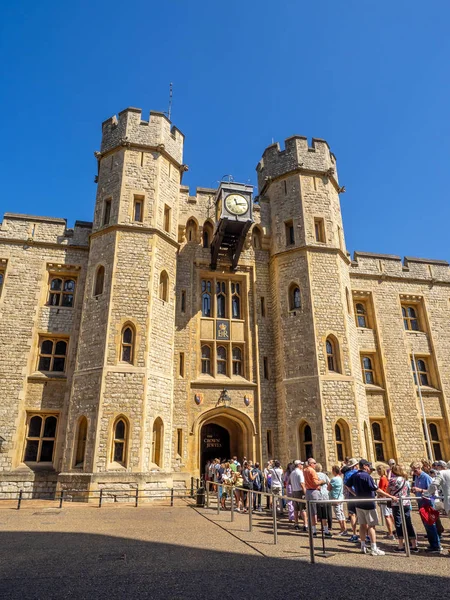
{"x": 207, "y": 234}
{"x": 435, "y": 441}
{"x": 80, "y": 448}
{"x": 206, "y": 360}
{"x": 41, "y": 437}
{"x": 221, "y": 299}
{"x": 127, "y": 345}
{"x": 368, "y": 371}
{"x": 191, "y": 231}
{"x": 119, "y": 445}
{"x": 236, "y": 300}
{"x": 420, "y": 370}
{"x": 332, "y": 355}
{"x": 157, "y": 443}
{"x": 237, "y": 361}
{"x": 164, "y": 286}
{"x": 99, "y": 281}
{"x": 340, "y": 449}
{"x": 378, "y": 441}
{"x": 294, "y": 297}
{"x": 306, "y": 443}
{"x": 361, "y": 315}
{"x": 410, "y": 320}
{"x": 256, "y": 238}
{"x": 221, "y": 360}
{"x": 206, "y": 298}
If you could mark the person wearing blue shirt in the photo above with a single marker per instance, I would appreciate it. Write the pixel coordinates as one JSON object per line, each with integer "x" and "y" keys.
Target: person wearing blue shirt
{"x": 422, "y": 482}
{"x": 349, "y": 469}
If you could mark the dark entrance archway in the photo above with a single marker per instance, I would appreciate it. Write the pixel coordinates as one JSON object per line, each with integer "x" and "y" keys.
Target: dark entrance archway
{"x": 215, "y": 443}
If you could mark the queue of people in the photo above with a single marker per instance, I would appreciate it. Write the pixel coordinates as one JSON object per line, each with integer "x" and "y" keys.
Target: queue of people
{"x": 352, "y": 480}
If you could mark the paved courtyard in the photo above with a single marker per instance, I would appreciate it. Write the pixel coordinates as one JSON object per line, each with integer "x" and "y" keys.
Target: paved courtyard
{"x": 183, "y": 552}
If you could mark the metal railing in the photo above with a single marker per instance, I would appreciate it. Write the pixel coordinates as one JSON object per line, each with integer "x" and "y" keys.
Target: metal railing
{"x": 104, "y": 495}
{"x": 275, "y": 498}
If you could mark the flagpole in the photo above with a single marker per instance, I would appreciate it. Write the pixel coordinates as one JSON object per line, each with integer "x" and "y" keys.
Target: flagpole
{"x": 425, "y": 424}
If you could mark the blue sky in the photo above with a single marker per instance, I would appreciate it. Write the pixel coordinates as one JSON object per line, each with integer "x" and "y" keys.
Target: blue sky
{"x": 371, "y": 78}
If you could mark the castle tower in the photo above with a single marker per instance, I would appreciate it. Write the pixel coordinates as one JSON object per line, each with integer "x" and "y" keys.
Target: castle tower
{"x": 122, "y": 394}
{"x": 318, "y": 376}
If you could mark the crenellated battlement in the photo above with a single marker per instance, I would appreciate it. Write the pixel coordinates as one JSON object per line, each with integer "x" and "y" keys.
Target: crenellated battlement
{"x": 296, "y": 154}
{"x": 390, "y": 265}
{"x": 52, "y": 230}
{"x": 129, "y": 128}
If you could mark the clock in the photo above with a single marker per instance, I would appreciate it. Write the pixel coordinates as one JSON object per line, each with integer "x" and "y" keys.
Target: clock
{"x": 236, "y": 204}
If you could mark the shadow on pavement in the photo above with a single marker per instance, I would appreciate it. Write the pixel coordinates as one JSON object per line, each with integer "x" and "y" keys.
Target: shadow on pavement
{"x": 66, "y": 565}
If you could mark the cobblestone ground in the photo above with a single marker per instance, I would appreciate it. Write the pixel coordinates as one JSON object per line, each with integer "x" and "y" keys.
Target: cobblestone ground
{"x": 182, "y": 552}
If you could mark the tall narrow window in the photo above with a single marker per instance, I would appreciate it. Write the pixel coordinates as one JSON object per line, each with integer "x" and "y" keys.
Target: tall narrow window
{"x": 183, "y": 301}
{"x": 99, "y": 281}
{"x": 164, "y": 286}
{"x": 127, "y": 350}
{"x": 263, "y": 306}
{"x": 237, "y": 361}
{"x": 138, "y": 209}
{"x": 340, "y": 453}
{"x": 236, "y": 300}
{"x": 361, "y": 315}
{"x": 306, "y": 441}
{"x": 221, "y": 299}
{"x": 221, "y": 360}
{"x": 332, "y": 355}
{"x": 119, "y": 445}
{"x": 269, "y": 440}
{"x": 158, "y": 430}
{"x": 410, "y": 320}
{"x": 319, "y": 230}
{"x": 81, "y": 442}
{"x": 181, "y": 364}
{"x": 347, "y": 298}
{"x": 368, "y": 370}
{"x": 256, "y": 238}
{"x": 107, "y": 212}
{"x": 206, "y": 360}
{"x": 206, "y": 298}
{"x": 289, "y": 232}
{"x": 2, "y": 280}
{"x": 179, "y": 442}
{"x": 191, "y": 231}
{"x": 420, "y": 370}
{"x": 378, "y": 442}
{"x": 52, "y": 355}
{"x": 207, "y": 234}
{"x": 61, "y": 292}
{"x": 167, "y": 218}
{"x": 294, "y": 297}
{"x": 41, "y": 437}
{"x": 266, "y": 367}
{"x": 435, "y": 441}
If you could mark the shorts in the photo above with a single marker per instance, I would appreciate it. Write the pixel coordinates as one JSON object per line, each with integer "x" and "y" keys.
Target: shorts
{"x": 298, "y": 505}
{"x": 313, "y": 495}
{"x": 276, "y": 491}
{"x": 387, "y": 512}
{"x": 367, "y": 517}
{"x": 339, "y": 512}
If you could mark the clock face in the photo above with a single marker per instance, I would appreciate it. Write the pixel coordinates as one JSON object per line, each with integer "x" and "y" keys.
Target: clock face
{"x": 236, "y": 204}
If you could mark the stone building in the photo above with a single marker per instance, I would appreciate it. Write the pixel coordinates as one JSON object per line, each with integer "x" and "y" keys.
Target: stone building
{"x": 127, "y": 360}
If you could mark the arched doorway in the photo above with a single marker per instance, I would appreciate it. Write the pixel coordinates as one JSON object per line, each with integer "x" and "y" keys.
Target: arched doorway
{"x": 214, "y": 443}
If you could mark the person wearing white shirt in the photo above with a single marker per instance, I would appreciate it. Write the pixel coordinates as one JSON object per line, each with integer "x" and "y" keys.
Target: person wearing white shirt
{"x": 297, "y": 481}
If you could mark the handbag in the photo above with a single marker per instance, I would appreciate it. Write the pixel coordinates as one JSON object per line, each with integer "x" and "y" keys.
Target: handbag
{"x": 429, "y": 514}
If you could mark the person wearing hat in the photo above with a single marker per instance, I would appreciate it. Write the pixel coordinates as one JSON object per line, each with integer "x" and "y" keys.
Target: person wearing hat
{"x": 297, "y": 481}
{"x": 365, "y": 488}
{"x": 347, "y": 471}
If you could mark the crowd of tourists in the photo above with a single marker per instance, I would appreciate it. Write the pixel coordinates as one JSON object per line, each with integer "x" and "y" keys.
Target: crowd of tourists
{"x": 354, "y": 484}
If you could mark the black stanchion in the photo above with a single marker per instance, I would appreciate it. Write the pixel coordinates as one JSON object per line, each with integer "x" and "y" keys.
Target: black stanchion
{"x": 136, "y": 500}
{"x": 19, "y": 499}
{"x": 61, "y": 499}
{"x": 171, "y": 497}
{"x": 323, "y": 553}
{"x": 100, "y": 498}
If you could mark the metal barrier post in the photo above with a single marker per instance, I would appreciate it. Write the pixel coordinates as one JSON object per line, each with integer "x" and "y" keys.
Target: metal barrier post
{"x": 197, "y": 483}
{"x": 19, "y": 499}
{"x": 218, "y": 500}
{"x": 232, "y": 503}
{"x": 171, "y": 497}
{"x": 250, "y": 508}
{"x": 136, "y": 500}
{"x": 61, "y": 499}
{"x": 310, "y": 532}
{"x": 207, "y": 493}
{"x": 100, "y": 498}
{"x": 192, "y": 487}
{"x": 274, "y": 515}
{"x": 405, "y": 532}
